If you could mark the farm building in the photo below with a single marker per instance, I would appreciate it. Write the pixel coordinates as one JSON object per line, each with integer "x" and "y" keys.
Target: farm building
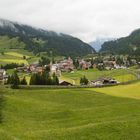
{"x": 3, "y": 75}
{"x": 104, "y": 81}
{"x": 65, "y": 83}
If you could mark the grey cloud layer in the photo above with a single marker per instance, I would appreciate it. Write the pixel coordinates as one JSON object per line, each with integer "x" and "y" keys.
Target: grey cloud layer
{"x": 86, "y": 19}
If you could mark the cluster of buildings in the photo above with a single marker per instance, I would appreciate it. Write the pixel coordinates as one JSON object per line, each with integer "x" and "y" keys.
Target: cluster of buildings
{"x": 85, "y": 65}
{"x": 109, "y": 65}
{"x": 65, "y": 65}
{"x": 103, "y": 81}
{"x": 34, "y": 68}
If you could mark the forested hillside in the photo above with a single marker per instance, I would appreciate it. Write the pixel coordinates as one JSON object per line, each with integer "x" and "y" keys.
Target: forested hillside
{"x": 127, "y": 45}
{"x": 38, "y": 40}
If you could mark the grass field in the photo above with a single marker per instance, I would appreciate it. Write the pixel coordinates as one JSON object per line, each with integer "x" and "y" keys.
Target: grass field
{"x": 111, "y": 113}
{"x": 12, "y": 57}
{"x": 17, "y": 54}
{"x": 17, "y": 57}
{"x": 14, "y": 61}
{"x": 93, "y": 74}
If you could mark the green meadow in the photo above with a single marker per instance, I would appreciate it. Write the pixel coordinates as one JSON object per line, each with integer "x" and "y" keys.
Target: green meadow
{"x": 121, "y": 75}
{"x": 12, "y": 51}
{"x": 111, "y": 113}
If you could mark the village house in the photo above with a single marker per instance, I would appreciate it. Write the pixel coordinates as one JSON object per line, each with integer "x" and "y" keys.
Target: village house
{"x": 66, "y": 65}
{"x": 3, "y": 76}
{"x": 33, "y": 68}
{"x": 23, "y": 69}
{"x": 65, "y": 83}
{"x": 84, "y": 64}
{"x": 109, "y": 65}
{"x": 54, "y": 69}
{"x": 38, "y": 70}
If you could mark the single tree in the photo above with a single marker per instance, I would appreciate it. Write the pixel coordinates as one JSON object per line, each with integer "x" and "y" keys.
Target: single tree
{"x": 15, "y": 80}
{"x": 83, "y": 81}
{"x": 23, "y": 81}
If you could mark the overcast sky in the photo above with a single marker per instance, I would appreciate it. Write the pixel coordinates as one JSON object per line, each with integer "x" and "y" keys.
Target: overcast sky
{"x": 86, "y": 19}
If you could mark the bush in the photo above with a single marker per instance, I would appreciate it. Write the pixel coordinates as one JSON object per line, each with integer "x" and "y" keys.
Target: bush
{"x": 83, "y": 81}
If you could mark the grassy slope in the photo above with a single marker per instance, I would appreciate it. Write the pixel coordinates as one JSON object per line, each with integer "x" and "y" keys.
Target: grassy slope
{"x": 92, "y": 74}
{"x": 72, "y": 114}
{"x": 14, "y": 50}
{"x": 130, "y": 91}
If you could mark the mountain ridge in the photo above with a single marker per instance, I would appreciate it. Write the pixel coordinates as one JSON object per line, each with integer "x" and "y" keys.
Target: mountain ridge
{"x": 59, "y": 43}
{"x": 129, "y": 45}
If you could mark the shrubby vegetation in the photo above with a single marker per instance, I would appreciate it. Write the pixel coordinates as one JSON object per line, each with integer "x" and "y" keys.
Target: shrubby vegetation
{"x": 84, "y": 80}
{"x": 44, "y": 61}
{"x": 11, "y": 66}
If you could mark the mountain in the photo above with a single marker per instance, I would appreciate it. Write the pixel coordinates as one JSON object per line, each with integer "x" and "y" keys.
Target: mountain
{"x": 99, "y": 42}
{"x": 126, "y": 45}
{"x": 39, "y": 40}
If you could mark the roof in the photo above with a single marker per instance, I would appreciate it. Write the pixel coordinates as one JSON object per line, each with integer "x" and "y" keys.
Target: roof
{"x": 65, "y": 83}
{"x": 2, "y": 70}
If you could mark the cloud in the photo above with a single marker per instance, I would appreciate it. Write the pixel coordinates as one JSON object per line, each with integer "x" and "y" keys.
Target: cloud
{"x": 86, "y": 19}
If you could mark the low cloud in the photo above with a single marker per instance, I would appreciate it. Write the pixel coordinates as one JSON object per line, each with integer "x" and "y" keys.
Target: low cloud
{"x": 86, "y": 20}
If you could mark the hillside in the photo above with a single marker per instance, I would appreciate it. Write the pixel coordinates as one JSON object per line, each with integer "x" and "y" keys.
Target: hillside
{"x": 39, "y": 40}
{"x": 126, "y": 45}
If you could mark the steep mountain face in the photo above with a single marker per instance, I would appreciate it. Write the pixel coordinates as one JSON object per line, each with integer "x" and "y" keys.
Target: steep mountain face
{"x": 38, "y": 40}
{"x": 126, "y": 45}
{"x": 99, "y": 42}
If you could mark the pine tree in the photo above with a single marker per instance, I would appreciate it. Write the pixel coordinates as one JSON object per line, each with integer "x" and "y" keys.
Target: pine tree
{"x": 33, "y": 80}
{"x": 83, "y": 81}
{"x": 55, "y": 80}
{"x": 49, "y": 80}
{"x": 15, "y": 80}
{"x": 23, "y": 81}
{"x": 9, "y": 80}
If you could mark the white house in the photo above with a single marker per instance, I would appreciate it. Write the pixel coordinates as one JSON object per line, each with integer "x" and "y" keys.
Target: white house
{"x": 3, "y": 75}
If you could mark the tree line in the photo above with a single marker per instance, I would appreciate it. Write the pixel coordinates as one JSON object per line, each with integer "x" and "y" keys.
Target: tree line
{"x": 36, "y": 79}
{"x": 11, "y": 66}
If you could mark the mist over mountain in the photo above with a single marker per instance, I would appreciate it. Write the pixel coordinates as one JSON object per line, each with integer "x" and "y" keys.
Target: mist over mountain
{"x": 40, "y": 40}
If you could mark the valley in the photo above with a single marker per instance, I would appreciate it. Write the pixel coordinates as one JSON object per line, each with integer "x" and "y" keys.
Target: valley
{"x": 56, "y": 87}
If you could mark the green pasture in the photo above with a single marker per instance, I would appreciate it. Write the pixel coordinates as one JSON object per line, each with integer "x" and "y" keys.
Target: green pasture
{"x": 20, "y": 61}
{"x": 111, "y": 113}
{"x": 93, "y": 74}
{"x": 17, "y": 54}
{"x": 7, "y": 43}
